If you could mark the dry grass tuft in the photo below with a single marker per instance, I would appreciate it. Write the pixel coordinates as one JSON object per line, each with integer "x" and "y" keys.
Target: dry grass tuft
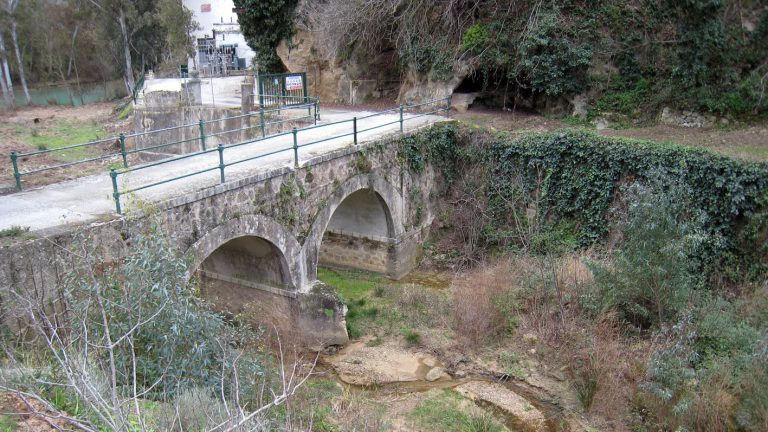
{"x": 476, "y": 297}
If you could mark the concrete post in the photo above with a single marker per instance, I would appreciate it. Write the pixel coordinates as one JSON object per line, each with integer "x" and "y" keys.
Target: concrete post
{"x": 191, "y": 92}
{"x": 246, "y": 106}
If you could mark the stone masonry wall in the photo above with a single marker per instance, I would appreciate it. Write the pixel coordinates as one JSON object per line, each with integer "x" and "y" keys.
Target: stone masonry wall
{"x": 353, "y": 252}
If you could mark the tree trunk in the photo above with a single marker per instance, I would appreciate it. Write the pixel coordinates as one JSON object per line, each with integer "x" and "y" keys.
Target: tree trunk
{"x": 128, "y": 77}
{"x": 19, "y": 61}
{"x": 6, "y": 95}
{"x": 5, "y": 75}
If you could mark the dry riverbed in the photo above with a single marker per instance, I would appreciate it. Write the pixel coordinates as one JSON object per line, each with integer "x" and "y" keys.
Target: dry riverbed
{"x": 405, "y": 371}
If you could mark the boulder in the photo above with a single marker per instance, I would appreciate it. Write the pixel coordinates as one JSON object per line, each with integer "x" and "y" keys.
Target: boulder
{"x": 462, "y": 101}
{"x": 434, "y": 374}
{"x": 419, "y": 87}
{"x": 325, "y": 79}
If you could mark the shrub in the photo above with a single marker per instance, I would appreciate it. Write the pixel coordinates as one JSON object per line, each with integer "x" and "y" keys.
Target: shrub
{"x": 411, "y": 337}
{"x": 651, "y": 277}
{"x": 484, "y": 303}
{"x": 709, "y": 371}
{"x": 133, "y": 331}
{"x": 13, "y": 231}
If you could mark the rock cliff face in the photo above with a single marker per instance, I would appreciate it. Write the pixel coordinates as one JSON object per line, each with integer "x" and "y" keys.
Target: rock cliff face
{"x": 358, "y": 79}
{"x": 325, "y": 79}
{"x": 418, "y": 87}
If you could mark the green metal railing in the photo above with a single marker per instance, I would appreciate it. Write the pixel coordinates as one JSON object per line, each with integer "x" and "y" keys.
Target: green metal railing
{"x": 198, "y": 131}
{"x": 442, "y": 106}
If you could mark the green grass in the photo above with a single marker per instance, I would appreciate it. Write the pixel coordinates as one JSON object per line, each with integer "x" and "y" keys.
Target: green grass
{"x": 378, "y": 306}
{"x": 352, "y": 285}
{"x": 7, "y": 424}
{"x": 411, "y": 337}
{"x": 64, "y": 134}
{"x": 358, "y": 290}
{"x": 442, "y": 410}
{"x": 14, "y": 231}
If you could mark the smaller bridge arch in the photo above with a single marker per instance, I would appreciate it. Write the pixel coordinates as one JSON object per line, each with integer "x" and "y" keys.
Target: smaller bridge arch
{"x": 247, "y": 260}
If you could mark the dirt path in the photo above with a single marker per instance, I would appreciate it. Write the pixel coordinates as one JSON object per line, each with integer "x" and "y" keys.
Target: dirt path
{"x": 743, "y": 142}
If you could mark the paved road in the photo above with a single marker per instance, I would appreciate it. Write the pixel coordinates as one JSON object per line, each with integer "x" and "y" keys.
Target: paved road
{"x": 88, "y": 198}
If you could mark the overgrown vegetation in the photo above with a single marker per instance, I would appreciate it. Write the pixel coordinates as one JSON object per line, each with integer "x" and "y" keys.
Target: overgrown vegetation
{"x": 640, "y": 267}
{"x": 383, "y": 308}
{"x": 130, "y": 346}
{"x": 626, "y": 58}
{"x": 264, "y": 24}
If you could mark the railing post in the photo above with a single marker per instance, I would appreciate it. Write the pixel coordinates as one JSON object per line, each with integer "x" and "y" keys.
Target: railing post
{"x": 115, "y": 192}
{"x": 309, "y": 106}
{"x": 221, "y": 161}
{"x": 202, "y": 134}
{"x": 401, "y": 118}
{"x": 317, "y": 110}
{"x": 261, "y": 121}
{"x": 295, "y": 148}
{"x": 122, "y": 150}
{"x": 354, "y": 128}
{"x": 16, "y": 175}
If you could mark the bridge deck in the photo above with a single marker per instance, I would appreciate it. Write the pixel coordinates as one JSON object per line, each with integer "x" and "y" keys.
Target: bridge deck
{"x": 87, "y": 198}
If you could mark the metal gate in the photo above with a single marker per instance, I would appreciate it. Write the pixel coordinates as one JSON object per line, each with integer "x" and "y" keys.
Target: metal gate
{"x": 282, "y": 89}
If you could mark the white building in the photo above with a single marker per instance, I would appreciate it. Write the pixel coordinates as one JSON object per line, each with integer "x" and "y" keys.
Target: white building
{"x": 220, "y": 44}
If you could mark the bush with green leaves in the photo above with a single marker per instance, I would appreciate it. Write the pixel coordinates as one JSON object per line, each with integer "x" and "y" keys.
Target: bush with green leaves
{"x": 652, "y": 275}
{"x": 578, "y": 175}
{"x": 175, "y": 342}
{"x": 560, "y": 187}
{"x": 113, "y": 335}
{"x": 709, "y": 369}
{"x": 264, "y": 24}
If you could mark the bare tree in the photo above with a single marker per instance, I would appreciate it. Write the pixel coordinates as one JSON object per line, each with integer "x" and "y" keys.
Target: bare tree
{"x": 5, "y": 75}
{"x": 11, "y": 7}
{"x": 116, "y": 10}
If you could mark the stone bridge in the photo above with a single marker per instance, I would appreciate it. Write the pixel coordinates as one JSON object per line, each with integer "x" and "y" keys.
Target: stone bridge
{"x": 256, "y": 243}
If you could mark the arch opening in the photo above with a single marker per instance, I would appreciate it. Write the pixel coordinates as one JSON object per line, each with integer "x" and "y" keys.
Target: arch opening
{"x": 358, "y": 234}
{"x": 242, "y": 271}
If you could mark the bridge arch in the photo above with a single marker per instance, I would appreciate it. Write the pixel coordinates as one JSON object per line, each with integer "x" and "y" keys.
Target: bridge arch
{"x": 252, "y": 247}
{"x": 364, "y": 205}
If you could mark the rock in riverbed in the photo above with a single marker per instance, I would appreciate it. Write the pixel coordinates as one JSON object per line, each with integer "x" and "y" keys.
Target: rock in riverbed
{"x": 525, "y": 416}
{"x": 359, "y": 364}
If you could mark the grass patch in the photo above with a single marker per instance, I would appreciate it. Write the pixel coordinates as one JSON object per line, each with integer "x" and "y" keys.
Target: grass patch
{"x": 378, "y": 306}
{"x": 411, "y": 337}
{"x": 352, "y": 285}
{"x": 446, "y": 410}
{"x": 14, "y": 231}
{"x": 64, "y": 134}
{"x": 7, "y": 424}
{"x": 357, "y": 289}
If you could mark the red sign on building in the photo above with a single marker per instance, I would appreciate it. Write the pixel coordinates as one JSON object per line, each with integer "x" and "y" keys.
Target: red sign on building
{"x": 205, "y": 7}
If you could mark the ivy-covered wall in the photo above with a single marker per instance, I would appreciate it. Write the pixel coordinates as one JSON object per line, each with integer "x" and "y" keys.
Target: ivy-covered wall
{"x": 573, "y": 179}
